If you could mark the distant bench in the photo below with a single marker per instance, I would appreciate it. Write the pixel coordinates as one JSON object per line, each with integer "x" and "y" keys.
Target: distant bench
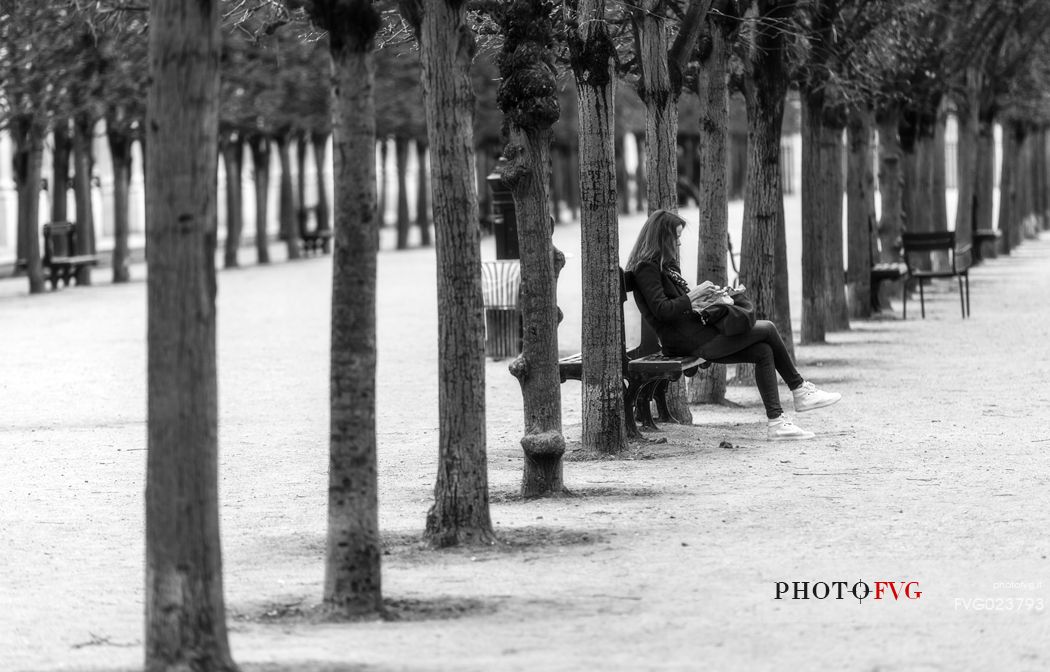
{"x": 313, "y": 239}
{"x": 930, "y": 243}
{"x": 646, "y": 371}
{"x": 60, "y": 260}
{"x": 981, "y": 237}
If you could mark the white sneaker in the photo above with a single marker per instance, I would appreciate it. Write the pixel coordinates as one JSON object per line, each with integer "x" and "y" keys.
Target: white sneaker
{"x": 782, "y": 429}
{"x": 808, "y": 397}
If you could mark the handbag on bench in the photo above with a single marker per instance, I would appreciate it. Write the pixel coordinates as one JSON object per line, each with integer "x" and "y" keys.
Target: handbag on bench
{"x": 730, "y": 319}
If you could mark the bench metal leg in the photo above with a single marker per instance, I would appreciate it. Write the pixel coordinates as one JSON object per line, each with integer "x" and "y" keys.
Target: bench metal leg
{"x": 630, "y": 400}
{"x": 966, "y": 280}
{"x": 904, "y": 300}
{"x": 660, "y": 395}
{"x": 645, "y": 404}
{"x": 922, "y": 299}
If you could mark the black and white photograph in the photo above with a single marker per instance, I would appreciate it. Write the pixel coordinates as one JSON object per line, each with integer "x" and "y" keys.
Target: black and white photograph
{"x": 516, "y": 335}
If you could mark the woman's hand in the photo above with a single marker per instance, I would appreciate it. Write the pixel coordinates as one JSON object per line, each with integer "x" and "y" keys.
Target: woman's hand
{"x": 703, "y": 289}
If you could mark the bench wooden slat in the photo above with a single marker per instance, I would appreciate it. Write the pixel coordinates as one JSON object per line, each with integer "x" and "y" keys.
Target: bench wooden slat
{"x": 665, "y": 364}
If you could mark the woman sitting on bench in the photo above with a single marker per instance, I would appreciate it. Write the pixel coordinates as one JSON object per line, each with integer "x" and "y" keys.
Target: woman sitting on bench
{"x": 680, "y": 317}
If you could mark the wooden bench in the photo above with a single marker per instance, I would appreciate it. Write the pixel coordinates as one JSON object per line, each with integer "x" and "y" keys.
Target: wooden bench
{"x": 881, "y": 272}
{"x": 646, "y": 372}
{"x": 982, "y": 237}
{"x": 958, "y": 265}
{"x": 316, "y": 239}
{"x": 60, "y": 260}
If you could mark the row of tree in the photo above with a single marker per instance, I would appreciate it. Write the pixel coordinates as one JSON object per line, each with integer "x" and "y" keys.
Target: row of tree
{"x": 856, "y": 63}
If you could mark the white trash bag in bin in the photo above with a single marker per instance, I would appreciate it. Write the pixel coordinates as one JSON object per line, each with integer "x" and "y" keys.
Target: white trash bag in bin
{"x": 500, "y": 286}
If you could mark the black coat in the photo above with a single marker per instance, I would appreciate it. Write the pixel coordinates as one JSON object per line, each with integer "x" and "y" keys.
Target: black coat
{"x": 666, "y": 306}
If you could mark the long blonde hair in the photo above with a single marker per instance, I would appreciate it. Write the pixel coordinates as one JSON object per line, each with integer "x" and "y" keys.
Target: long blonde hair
{"x": 657, "y": 241}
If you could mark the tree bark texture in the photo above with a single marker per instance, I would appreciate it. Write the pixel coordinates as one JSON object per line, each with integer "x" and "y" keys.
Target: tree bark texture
{"x": 423, "y": 194}
{"x": 660, "y": 97}
{"x": 185, "y": 612}
{"x": 460, "y": 513}
{"x": 592, "y": 54}
{"x": 860, "y": 211}
{"x": 528, "y": 97}
{"x": 708, "y": 386}
{"x": 83, "y": 161}
{"x": 60, "y": 169}
{"x": 401, "y": 161}
{"x": 287, "y": 202}
{"x": 352, "y": 584}
{"x": 260, "y": 149}
{"x": 821, "y": 212}
{"x": 120, "y": 152}
{"x": 232, "y": 147}
{"x": 764, "y": 90}
{"x": 985, "y": 192}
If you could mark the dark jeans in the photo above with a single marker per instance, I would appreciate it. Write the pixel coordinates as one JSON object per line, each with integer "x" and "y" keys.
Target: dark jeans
{"x": 763, "y": 347}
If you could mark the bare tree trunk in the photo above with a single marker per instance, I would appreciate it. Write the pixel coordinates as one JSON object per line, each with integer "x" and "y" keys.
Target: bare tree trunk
{"x": 423, "y": 193}
{"x": 781, "y": 295}
{"x": 821, "y": 211}
{"x": 185, "y": 611}
{"x": 1026, "y": 177}
{"x": 890, "y": 184}
{"x": 660, "y": 87}
{"x": 401, "y": 160}
{"x": 120, "y": 151}
{"x": 572, "y": 176}
{"x": 302, "y": 215}
{"x": 232, "y": 146}
{"x": 984, "y": 198}
{"x": 967, "y": 155}
{"x": 60, "y": 173}
{"x": 640, "y": 179}
{"x": 29, "y": 150}
{"x": 559, "y": 168}
{"x": 764, "y": 91}
{"x": 260, "y": 148}
{"x": 384, "y": 186}
{"x": 924, "y": 191}
{"x": 319, "y": 140}
{"x": 860, "y": 211}
{"x": 623, "y": 197}
{"x": 83, "y": 130}
{"x": 460, "y": 513}
{"x": 287, "y": 204}
{"x": 708, "y": 386}
{"x": 1009, "y": 219}
{"x": 529, "y": 101}
{"x": 352, "y": 583}
{"x": 592, "y": 54}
